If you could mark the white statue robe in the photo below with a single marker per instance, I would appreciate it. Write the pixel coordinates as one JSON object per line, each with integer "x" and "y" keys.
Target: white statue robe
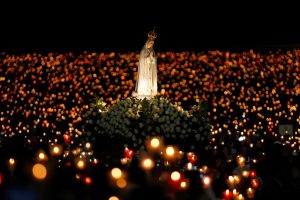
{"x": 146, "y": 84}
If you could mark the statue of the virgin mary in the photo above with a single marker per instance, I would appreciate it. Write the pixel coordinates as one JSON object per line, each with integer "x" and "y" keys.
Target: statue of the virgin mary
{"x": 146, "y": 84}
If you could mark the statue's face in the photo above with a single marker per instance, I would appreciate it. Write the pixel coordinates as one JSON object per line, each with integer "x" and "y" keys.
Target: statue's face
{"x": 150, "y": 44}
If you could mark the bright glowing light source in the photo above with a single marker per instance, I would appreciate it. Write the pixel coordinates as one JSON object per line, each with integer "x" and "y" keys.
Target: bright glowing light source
{"x": 206, "y": 181}
{"x": 147, "y": 164}
{"x": 240, "y": 197}
{"x": 241, "y": 160}
{"x": 88, "y": 145}
{"x": 124, "y": 161}
{"x": 77, "y": 176}
{"x": 231, "y": 179}
{"x": 41, "y": 156}
{"x": 88, "y": 180}
{"x": 39, "y": 171}
{"x": 56, "y": 150}
{"x": 175, "y": 176}
{"x": 236, "y": 179}
{"x": 116, "y": 173}
{"x": 155, "y": 142}
{"x": 170, "y": 151}
{"x": 121, "y": 183}
{"x": 242, "y": 138}
{"x": 11, "y": 162}
{"x": 235, "y": 192}
{"x": 80, "y": 164}
{"x": 183, "y": 185}
{"x": 189, "y": 166}
{"x": 113, "y": 198}
{"x": 245, "y": 174}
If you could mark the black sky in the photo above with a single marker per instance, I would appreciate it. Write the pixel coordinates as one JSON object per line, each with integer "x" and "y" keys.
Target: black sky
{"x": 121, "y": 25}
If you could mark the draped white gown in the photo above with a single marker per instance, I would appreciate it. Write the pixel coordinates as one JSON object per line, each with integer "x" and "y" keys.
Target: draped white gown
{"x": 146, "y": 84}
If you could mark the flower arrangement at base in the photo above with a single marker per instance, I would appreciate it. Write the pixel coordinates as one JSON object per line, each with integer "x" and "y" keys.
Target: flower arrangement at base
{"x": 132, "y": 120}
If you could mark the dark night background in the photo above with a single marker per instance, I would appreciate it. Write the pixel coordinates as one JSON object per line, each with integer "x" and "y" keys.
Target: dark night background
{"x": 122, "y": 26}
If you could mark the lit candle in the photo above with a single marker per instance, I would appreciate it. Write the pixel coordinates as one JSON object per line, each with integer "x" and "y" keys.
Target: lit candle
{"x": 254, "y": 183}
{"x": 250, "y": 193}
{"x": 11, "y": 162}
{"x": 241, "y": 197}
{"x": 175, "y": 176}
{"x": 192, "y": 157}
{"x": 227, "y": 194}
{"x": 206, "y": 181}
{"x": 252, "y": 174}
{"x": 245, "y": 174}
{"x": 80, "y": 164}
{"x": 155, "y": 143}
{"x": 56, "y": 150}
{"x": 128, "y": 153}
{"x": 235, "y": 193}
{"x": 230, "y": 181}
{"x": 124, "y": 161}
{"x": 236, "y": 179}
{"x": 184, "y": 185}
{"x": 170, "y": 153}
{"x": 241, "y": 161}
{"x": 189, "y": 166}
{"x": 116, "y": 173}
{"x": 147, "y": 164}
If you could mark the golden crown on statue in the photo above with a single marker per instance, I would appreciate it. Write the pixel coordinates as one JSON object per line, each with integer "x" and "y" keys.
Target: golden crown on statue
{"x": 152, "y": 35}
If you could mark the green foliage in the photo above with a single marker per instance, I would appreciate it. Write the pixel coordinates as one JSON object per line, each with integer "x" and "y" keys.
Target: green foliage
{"x": 132, "y": 120}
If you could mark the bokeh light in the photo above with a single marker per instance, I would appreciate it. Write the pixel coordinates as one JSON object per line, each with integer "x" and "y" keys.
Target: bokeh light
{"x": 39, "y": 171}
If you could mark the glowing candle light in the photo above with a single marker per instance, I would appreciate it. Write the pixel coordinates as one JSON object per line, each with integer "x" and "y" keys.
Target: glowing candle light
{"x": 147, "y": 164}
{"x": 180, "y": 154}
{"x": 42, "y": 156}
{"x": 206, "y": 181}
{"x": 192, "y": 157}
{"x": 128, "y": 153}
{"x": 245, "y": 174}
{"x": 170, "y": 151}
{"x": 241, "y": 161}
{"x": 116, "y": 173}
{"x": 88, "y": 180}
{"x": 80, "y": 164}
{"x": 254, "y": 183}
{"x": 39, "y": 171}
{"x": 240, "y": 197}
{"x": 56, "y": 150}
{"x": 121, "y": 183}
{"x": 67, "y": 137}
{"x": 124, "y": 161}
{"x": 184, "y": 185}
{"x": 155, "y": 143}
{"x": 227, "y": 194}
{"x": 88, "y": 145}
{"x": 113, "y": 198}
{"x": 189, "y": 166}
{"x": 250, "y": 193}
{"x": 11, "y": 162}
{"x": 252, "y": 174}
{"x": 175, "y": 176}
{"x": 230, "y": 181}
{"x": 235, "y": 192}
{"x": 237, "y": 179}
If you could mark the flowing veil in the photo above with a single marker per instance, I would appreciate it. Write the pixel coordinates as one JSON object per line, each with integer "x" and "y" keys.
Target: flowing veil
{"x": 146, "y": 83}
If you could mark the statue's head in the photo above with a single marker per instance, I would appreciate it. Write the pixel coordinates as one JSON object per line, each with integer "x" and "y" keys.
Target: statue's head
{"x": 151, "y": 37}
